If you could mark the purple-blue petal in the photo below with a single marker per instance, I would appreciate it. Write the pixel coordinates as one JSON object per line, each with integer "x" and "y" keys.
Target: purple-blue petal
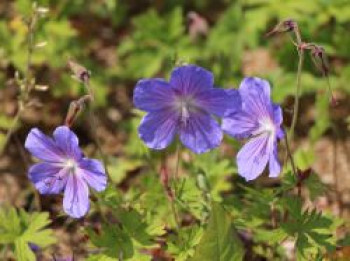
{"x": 68, "y": 142}
{"x": 48, "y": 178}
{"x": 277, "y": 114}
{"x": 191, "y": 79}
{"x": 255, "y": 94}
{"x": 219, "y": 102}
{"x": 153, "y": 95}
{"x": 93, "y": 172}
{"x": 274, "y": 164}
{"x": 43, "y": 147}
{"x": 253, "y": 157}
{"x": 157, "y": 129}
{"x": 200, "y": 133}
{"x": 240, "y": 125}
{"x": 76, "y": 197}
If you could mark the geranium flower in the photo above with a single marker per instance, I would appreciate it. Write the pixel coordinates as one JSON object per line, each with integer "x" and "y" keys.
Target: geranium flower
{"x": 64, "y": 168}
{"x": 183, "y": 106}
{"x": 260, "y": 120}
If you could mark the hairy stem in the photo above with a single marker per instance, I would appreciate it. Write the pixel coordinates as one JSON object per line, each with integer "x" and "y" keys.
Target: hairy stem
{"x": 334, "y": 173}
{"x": 93, "y": 124}
{"x": 175, "y": 179}
{"x": 297, "y": 93}
{"x": 11, "y": 131}
{"x": 289, "y": 154}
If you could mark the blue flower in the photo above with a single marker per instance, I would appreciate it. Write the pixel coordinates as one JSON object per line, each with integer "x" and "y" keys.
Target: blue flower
{"x": 183, "y": 106}
{"x": 63, "y": 168}
{"x": 260, "y": 120}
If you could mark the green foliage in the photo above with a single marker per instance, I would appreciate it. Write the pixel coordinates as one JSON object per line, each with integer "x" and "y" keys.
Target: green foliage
{"x": 114, "y": 240}
{"x": 323, "y": 120}
{"x": 121, "y": 42}
{"x": 154, "y": 43}
{"x": 219, "y": 241}
{"x": 312, "y": 229}
{"x": 19, "y": 228}
{"x": 216, "y": 172}
{"x": 184, "y": 249}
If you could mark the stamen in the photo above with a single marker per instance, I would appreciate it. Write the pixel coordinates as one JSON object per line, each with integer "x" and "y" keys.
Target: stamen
{"x": 185, "y": 105}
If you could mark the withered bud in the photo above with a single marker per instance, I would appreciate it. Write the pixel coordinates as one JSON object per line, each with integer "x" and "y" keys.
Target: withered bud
{"x": 320, "y": 59}
{"x": 79, "y": 72}
{"x": 285, "y": 26}
{"x": 303, "y": 174}
{"x": 74, "y": 109}
{"x": 197, "y": 25}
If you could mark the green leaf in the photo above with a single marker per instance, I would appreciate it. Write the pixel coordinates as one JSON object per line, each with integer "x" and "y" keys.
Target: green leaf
{"x": 22, "y": 250}
{"x": 114, "y": 241}
{"x": 220, "y": 241}
{"x": 313, "y": 230}
{"x": 135, "y": 226}
{"x": 21, "y": 228}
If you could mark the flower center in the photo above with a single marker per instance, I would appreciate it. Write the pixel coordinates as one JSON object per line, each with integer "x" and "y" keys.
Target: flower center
{"x": 267, "y": 125}
{"x": 185, "y": 105}
{"x": 71, "y": 165}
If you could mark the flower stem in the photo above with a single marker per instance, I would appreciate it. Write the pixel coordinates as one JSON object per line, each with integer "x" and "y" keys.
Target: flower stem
{"x": 338, "y": 196}
{"x": 10, "y": 131}
{"x": 175, "y": 179}
{"x": 297, "y": 93}
{"x": 289, "y": 154}
{"x": 93, "y": 124}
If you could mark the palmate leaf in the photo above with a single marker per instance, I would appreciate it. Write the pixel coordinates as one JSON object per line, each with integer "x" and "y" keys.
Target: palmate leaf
{"x": 312, "y": 230}
{"x": 113, "y": 241}
{"x": 21, "y": 228}
{"x": 220, "y": 241}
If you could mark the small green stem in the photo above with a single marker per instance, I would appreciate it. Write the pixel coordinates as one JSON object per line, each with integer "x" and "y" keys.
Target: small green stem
{"x": 94, "y": 125}
{"x": 11, "y": 130}
{"x": 297, "y": 93}
{"x": 175, "y": 179}
{"x": 289, "y": 153}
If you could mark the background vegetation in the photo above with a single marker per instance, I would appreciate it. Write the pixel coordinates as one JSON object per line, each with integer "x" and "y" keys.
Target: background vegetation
{"x": 121, "y": 42}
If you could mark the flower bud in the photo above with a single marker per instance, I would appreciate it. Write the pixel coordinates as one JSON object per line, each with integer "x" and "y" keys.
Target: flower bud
{"x": 79, "y": 72}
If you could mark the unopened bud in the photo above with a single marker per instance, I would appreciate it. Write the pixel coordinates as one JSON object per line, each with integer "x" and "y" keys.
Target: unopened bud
{"x": 79, "y": 72}
{"x": 303, "y": 174}
{"x": 74, "y": 109}
{"x": 288, "y": 25}
{"x": 197, "y": 25}
{"x": 320, "y": 58}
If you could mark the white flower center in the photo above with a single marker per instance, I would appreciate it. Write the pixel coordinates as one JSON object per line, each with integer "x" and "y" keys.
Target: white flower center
{"x": 185, "y": 105}
{"x": 71, "y": 165}
{"x": 266, "y": 125}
